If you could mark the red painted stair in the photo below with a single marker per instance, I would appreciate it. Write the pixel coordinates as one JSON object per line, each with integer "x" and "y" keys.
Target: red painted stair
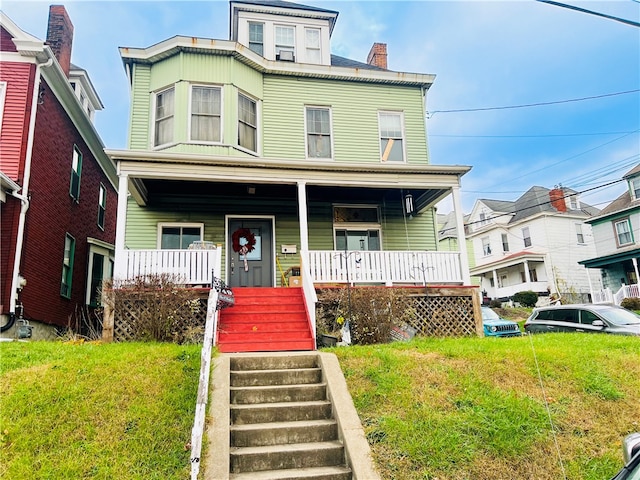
{"x": 265, "y": 320}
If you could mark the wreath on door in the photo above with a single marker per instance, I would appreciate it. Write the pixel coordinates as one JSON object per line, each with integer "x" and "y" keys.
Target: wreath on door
{"x": 247, "y": 247}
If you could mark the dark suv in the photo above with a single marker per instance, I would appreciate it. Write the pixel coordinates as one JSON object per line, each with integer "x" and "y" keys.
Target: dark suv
{"x": 590, "y": 318}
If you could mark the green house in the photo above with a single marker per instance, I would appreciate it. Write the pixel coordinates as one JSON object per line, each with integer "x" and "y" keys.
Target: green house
{"x": 265, "y": 160}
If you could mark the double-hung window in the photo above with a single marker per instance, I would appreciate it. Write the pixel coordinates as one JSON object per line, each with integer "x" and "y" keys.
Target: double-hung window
{"x": 312, "y": 45}
{"x": 579, "y": 234}
{"x": 164, "y": 110}
{"x": 76, "y": 172}
{"x": 505, "y": 242}
{"x": 486, "y": 246}
{"x": 623, "y": 232}
{"x": 205, "y": 113}
{"x": 67, "y": 266}
{"x": 391, "y": 137}
{"x": 179, "y": 236}
{"x": 526, "y": 237}
{"x": 247, "y": 123}
{"x": 285, "y": 43}
{"x": 356, "y": 227}
{"x": 102, "y": 205}
{"x": 635, "y": 188}
{"x": 318, "y": 132}
{"x": 256, "y": 37}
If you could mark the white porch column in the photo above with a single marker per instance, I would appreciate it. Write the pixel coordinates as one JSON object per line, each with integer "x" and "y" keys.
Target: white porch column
{"x": 121, "y": 222}
{"x": 302, "y": 214}
{"x": 495, "y": 282}
{"x": 527, "y": 277}
{"x": 635, "y": 268}
{"x": 462, "y": 241}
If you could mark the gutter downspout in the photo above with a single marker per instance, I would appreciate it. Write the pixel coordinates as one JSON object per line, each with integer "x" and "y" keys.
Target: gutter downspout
{"x": 25, "y": 186}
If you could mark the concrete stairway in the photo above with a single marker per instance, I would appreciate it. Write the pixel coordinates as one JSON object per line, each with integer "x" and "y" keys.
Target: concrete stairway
{"x": 282, "y": 420}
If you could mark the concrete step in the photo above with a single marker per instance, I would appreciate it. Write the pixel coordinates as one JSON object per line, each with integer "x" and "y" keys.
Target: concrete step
{"x": 280, "y": 412}
{"x": 279, "y": 393}
{"x": 274, "y": 362}
{"x": 279, "y": 433}
{"x": 279, "y": 457}
{"x": 317, "y": 473}
{"x": 253, "y": 378}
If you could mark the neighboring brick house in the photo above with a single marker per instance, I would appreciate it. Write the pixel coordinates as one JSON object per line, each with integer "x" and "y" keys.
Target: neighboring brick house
{"x": 59, "y": 197}
{"x": 616, "y": 232}
{"x": 533, "y": 243}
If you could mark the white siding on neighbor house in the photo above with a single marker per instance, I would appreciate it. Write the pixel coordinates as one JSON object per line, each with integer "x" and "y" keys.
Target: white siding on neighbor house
{"x": 604, "y": 234}
{"x": 557, "y": 235}
{"x": 492, "y": 218}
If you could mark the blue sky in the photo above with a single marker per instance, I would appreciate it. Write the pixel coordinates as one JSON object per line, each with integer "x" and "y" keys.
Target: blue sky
{"x": 485, "y": 54}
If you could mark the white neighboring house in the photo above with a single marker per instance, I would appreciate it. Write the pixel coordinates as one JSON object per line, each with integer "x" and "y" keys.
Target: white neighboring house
{"x": 533, "y": 243}
{"x": 616, "y": 231}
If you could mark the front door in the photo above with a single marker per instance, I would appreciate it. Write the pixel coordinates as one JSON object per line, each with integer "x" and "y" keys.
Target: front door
{"x": 250, "y": 258}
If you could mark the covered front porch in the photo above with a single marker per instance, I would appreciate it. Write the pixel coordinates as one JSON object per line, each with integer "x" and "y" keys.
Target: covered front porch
{"x": 337, "y": 223}
{"x": 515, "y": 273}
{"x": 619, "y": 276}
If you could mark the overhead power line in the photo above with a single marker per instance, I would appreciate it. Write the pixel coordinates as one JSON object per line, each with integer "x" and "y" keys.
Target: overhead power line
{"x": 527, "y": 105}
{"x": 534, "y": 136}
{"x": 591, "y": 12}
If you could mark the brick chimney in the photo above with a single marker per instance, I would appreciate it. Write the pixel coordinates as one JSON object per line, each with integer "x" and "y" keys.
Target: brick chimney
{"x": 557, "y": 199}
{"x": 60, "y": 36}
{"x": 378, "y": 55}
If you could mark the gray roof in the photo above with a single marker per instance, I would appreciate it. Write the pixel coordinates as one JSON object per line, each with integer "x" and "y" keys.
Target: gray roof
{"x": 338, "y": 61}
{"x": 283, "y": 4}
{"x": 624, "y": 201}
{"x": 504, "y": 206}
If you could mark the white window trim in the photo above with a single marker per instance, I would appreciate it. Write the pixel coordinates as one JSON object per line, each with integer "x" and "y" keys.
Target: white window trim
{"x": 306, "y": 133}
{"x": 264, "y": 35}
{"x": 206, "y": 142}
{"x": 354, "y": 226}
{"x": 275, "y": 39}
{"x": 580, "y": 233}
{"x": 154, "y": 100}
{"x": 615, "y": 226}
{"x": 258, "y": 120}
{"x": 177, "y": 224}
{"x": 404, "y": 135}
{"x": 3, "y": 96}
{"x": 633, "y": 189}
{"x": 108, "y": 254}
{"x": 524, "y": 238}
{"x": 484, "y": 252}
{"x": 102, "y": 188}
{"x": 307, "y": 47}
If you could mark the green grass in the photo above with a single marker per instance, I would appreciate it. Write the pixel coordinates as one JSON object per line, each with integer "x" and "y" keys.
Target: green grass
{"x": 473, "y": 408}
{"x": 75, "y": 411}
{"x": 446, "y": 409}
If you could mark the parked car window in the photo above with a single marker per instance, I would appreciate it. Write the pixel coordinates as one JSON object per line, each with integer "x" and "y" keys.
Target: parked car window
{"x": 620, "y": 316}
{"x": 588, "y": 317}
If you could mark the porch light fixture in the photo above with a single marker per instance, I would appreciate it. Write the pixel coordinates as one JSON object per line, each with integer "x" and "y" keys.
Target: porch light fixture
{"x": 408, "y": 204}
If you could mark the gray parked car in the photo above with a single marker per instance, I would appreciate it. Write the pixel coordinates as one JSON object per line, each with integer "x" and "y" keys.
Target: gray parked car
{"x": 589, "y": 318}
{"x": 631, "y": 451}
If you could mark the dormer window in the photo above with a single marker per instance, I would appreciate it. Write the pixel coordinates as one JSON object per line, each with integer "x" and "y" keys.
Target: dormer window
{"x": 312, "y": 45}
{"x": 256, "y": 37}
{"x": 574, "y": 204}
{"x": 634, "y": 183}
{"x": 285, "y": 43}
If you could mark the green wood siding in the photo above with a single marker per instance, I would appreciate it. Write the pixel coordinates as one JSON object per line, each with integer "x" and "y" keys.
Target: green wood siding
{"x": 354, "y": 110}
{"x": 141, "y": 98}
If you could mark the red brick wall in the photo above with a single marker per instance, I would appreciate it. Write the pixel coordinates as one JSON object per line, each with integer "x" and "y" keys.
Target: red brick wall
{"x": 53, "y": 213}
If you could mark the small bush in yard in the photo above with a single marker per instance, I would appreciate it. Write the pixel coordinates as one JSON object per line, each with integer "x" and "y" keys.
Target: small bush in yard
{"x": 631, "y": 303}
{"x": 495, "y": 303}
{"x": 526, "y": 298}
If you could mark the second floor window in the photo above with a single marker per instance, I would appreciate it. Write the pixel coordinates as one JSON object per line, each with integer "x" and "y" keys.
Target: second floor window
{"x": 205, "y": 113}
{"x": 247, "y": 123}
{"x": 526, "y": 237}
{"x": 256, "y": 37}
{"x": 486, "y": 246}
{"x": 391, "y": 137}
{"x": 623, "y": 232}
{"x": 318, "y": 133}
{"x": 505, "y": 242}
{"x": 76, "y": 172}
{"x": 164, "y": 117}
{"x": 579, "y": 234}
{"x": 102, "y": 205}
{"x": 285, "y": 43}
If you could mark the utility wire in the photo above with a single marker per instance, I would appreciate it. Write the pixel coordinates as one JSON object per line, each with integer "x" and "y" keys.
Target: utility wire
{"x": 533, "y": 136}
{"x": 539, "y": 104}
{"x": 598, "y": 14}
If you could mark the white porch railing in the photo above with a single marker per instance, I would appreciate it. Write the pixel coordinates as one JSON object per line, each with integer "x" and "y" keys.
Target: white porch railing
{"x": 310, "y": 296}
{"x": 331, "y": 266}
{"x": 192, "y": 267}
{"x": 602, "y": 296}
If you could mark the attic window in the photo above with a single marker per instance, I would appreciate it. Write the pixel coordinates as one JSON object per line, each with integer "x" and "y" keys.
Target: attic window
{"x": 285, "y": 43}
{"x": 634, "y": 183}
{"x": 574, "y": 204}
{"x": 256, "y": 37}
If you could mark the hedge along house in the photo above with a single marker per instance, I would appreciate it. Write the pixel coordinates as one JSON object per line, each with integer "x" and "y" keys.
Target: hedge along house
{"x": 269, "y": 140}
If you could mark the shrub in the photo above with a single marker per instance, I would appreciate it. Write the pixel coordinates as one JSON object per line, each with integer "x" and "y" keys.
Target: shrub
{"x": 495, "y": 303}
{"x": 631, "y": 303}
{"x": 526, "y": 298}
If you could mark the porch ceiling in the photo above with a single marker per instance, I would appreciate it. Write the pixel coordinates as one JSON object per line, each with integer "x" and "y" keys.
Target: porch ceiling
{"x": 159, "y": 191}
